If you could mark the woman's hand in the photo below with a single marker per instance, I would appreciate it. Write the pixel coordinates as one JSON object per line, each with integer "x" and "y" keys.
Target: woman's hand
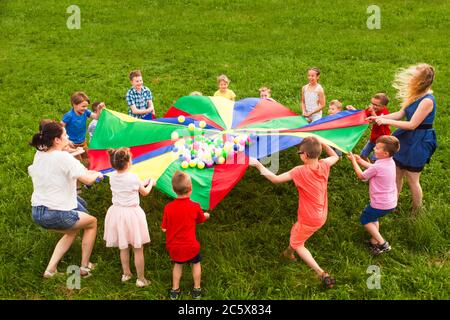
{"x": 381, "y": 121}
{"x": 253, "y": 162}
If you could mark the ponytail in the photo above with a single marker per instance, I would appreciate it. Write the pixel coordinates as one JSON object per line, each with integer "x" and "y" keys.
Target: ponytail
{"x": 43, "y": 140}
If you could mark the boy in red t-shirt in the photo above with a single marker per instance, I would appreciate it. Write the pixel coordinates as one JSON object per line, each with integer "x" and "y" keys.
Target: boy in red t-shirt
{"x": 179, "y": 222}
{"x": 311, "y": 180}
{"x": 377, "y": 107}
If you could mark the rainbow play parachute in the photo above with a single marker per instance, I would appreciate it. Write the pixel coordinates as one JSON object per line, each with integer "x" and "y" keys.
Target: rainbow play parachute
{"x": 211, "y": 139}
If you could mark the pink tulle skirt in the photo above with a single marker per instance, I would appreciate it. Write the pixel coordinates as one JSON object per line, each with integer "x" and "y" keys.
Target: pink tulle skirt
{"x": 126, "y": 226}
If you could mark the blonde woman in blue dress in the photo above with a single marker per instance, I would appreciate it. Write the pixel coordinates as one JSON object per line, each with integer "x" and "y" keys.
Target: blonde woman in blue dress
{"x": 414, "y": 123}
{"x": 313, "y": 96}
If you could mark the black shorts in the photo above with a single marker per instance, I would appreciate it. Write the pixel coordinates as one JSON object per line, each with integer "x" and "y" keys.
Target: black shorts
{"x": 194, "y": 260}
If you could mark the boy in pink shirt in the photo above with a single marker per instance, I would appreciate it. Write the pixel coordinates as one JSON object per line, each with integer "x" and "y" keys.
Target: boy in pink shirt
{"x": 382, "y": 189}
{"x": 311, "y": 180}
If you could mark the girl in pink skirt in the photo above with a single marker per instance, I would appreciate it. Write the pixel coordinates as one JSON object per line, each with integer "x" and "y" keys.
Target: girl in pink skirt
{"x": 125, "y": 222}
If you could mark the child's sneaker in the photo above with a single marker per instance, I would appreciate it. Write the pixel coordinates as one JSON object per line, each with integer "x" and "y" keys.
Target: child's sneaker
{"x": 379, "y": 249}
{"x": 369, "y": 244}
{"x": 174, "y": 294}
{"x": 196, "y": 293}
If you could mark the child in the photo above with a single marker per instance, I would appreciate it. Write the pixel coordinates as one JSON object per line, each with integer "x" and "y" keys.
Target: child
{"x": 179, "y": 221}
{"x": 75, "y": 122}
{"x": 382, "y": 189}
{"x": 334, "y": 107}
{"x": 223, "y": 91}
{"x": 311, "y": 181}
{"x": 139, "y": 98}
{"x": 264, "y": 93}
{"x": 97, "y": 108}
{"x": 125, "y": 222}
{"x": 313, "y": 96}
{"x": 377, "y": 107}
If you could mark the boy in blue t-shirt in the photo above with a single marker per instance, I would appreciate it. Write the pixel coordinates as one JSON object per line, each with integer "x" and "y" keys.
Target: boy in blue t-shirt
{"x": 75, "y": 122}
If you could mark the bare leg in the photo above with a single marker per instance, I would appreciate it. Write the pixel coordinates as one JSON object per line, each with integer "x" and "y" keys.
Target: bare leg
{"x": 197, "y": 274}
{"x": 309, "y": 260}
{"x": 176, "y": 275}
{"x": 61, "y": 248}
{"x": 416, "y": 190}
{"x": 89, "y": 224}
{"x": 289, "y": 253}
{"x": 372, "y": 228}
{"x": 400, "y": 173}
{"x": 139, "y": 262}
{"x": 125, "y": 261}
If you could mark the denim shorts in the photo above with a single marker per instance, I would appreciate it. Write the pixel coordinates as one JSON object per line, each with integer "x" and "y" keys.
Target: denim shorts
{"x": 54, "y": 219}
{"x": 367, "y": 150}
{"x": 194, "y": 260}
{"x": 370, "y": 214}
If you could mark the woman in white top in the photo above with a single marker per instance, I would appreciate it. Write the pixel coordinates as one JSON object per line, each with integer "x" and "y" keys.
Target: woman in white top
{"x": 313, "y": 96}
{"x": 54, "y": 201}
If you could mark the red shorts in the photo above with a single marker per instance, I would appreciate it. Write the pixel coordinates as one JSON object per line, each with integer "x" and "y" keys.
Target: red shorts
{"x": 300, "y": 233}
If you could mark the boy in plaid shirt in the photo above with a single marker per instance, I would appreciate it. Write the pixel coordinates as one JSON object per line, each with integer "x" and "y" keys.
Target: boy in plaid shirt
{"x": 139, "y": 98}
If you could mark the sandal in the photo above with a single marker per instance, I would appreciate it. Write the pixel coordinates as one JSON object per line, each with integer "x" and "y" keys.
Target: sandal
{"x": 126, "y": 277}
{"x": 327, "y": 281}
{"x": 50, "y": 274}
{"x": 291, "y": 256}
{"x": 85, "y": 272}
{"x": 142, "y": 283}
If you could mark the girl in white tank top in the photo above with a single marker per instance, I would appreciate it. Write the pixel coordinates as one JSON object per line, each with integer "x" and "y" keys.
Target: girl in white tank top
{"x": 313, "y": 97}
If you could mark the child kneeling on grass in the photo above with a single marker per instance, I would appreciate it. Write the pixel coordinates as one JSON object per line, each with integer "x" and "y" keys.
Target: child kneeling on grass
{"x": 179, "y": 222}
{"x": 311, "y": 180}
{"x": 382, "y": 189}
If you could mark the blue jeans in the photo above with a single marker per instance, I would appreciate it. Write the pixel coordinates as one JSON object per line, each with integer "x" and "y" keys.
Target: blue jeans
{"x": 338, "y": 152}
{"x": 54, "y": 219}
{"x": 367, "y": 150}
{"x": 81, "y": 205}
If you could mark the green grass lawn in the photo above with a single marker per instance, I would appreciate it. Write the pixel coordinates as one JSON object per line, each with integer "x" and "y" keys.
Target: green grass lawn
{"x": 181, "y": 46}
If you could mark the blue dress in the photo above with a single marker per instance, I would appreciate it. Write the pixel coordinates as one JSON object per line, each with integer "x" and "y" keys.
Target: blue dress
{"x": 416, "y": 146}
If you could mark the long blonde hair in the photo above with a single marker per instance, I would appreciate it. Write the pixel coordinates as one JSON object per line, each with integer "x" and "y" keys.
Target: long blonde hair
{"x": 413, "y": 82}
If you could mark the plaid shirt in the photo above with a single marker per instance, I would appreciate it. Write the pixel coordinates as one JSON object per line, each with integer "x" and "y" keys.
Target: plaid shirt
{"x": 140, "y": 100}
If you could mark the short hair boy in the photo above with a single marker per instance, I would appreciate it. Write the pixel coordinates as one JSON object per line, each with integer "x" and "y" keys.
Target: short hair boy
{"x": 179, "y": 223}
{"x": 382, "y": 189}
{"x": 139, "y": 98}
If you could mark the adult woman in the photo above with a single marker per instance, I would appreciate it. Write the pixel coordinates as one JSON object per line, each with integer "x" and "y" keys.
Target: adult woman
{"x": 54, "y": 201}
{"x": 416, "y": 134}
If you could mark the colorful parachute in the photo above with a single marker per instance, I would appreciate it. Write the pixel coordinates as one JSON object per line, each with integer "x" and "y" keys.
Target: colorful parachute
{"x": 211, "y": 138}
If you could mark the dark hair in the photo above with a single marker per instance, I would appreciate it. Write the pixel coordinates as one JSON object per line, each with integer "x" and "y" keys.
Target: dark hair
{"x": 78, "y": 97}
{"x": 95, "y": 105}
{"x": 48, "y": 131}
{"x": 384, "y": 100}
{"x": 43, "y": 122}
{"x": 181, "y": 183}
{"x": 119, "y": 158}
{"x": 135, "y": 73}
{"x": 390, "y": 144}
{"x": 311, "y": 146}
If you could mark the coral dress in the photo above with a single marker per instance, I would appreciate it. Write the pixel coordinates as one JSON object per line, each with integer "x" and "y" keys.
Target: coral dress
{"x": 125, "y": 222}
